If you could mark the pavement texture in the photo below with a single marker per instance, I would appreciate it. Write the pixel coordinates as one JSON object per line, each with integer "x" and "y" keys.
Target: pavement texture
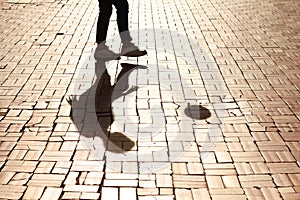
{"x": 212, "y": 112}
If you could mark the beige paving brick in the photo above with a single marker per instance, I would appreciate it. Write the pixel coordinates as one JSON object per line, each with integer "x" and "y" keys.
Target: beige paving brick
{"x": 229, "y": 196}
{"x": 201, "y": 193}
{"x": 194, "y": 168}
{"x": 50, "y": 183}
{"x": 256, "y": 180}
{"x": 164, "y": 181}
{"x": 219, "y": 169}
{"x": 33, "y": 192}
{"x": 243, "y": 168}
{"x": 93, "y": 178}
{"x": 230, "y": 181}
{"x": 291, "y": 196}
{"x": 109, "y": 193}
{"x": 87, "y": 166}
{"x": 281, "y": 167}
{"x": 169, "y": 197}
{"x": 246, "y": 157}
{"x": 5, "y": 177}
{"x": 71, "y": 178}
{"x": 188, "y": 181}
{"x": 259, "y": 168}
{"x": 44, "y": 167}
{"x": 56, "y": 155}
{"x": 11, "y": 191}
{"x": 81, "y": 155}
{"x": 295, "y": 179}
{"x": 71, "y": 195}
{"x": 208, "y": 157}
{"x": 282, "y": 180}
{"x": 89, "y": 195}
{"x": 226, "y": 191}
{"x": 51, "y": 192}
{"x": 179, "y": 168}
{"x": 33, "y": 155}
{"x": 22, "y": 176}
{"x": 61, "y": 167}
{"x": 20, "y": 166}
{"x": 166, "y": 191}
{"x": 68, "y": 146}
{"x": 147, "y": 191}
{"x": 121, "y": 183}
{"x": 214, "y": 182}
{"x": 81, "y": 188}
{"x": 17, "y": 154}
{"x": 271, "y": 193}
{"x": 147, "y": 184}
{"x": 128, "y": 194}
{"x": 223, "y": 157}
{"x": 48, "y": 177}
{"x": 183, "y": 194}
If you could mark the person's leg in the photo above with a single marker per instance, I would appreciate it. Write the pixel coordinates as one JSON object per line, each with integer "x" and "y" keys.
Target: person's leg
{"x": 105, "y": 11}
{"x": 122, "y": 19}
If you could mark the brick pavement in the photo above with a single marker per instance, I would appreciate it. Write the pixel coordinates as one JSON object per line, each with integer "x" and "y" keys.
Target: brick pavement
{"x": 239, "y": 59}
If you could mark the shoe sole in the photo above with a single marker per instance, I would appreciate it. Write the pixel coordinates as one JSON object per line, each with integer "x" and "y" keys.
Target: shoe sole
{"x": 138, "y": 54}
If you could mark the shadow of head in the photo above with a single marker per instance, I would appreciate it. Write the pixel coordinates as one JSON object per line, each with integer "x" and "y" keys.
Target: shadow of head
{"x": 197, "y": 112}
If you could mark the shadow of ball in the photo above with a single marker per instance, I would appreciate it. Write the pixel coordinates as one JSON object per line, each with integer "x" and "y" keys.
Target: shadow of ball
{"x": 197, "y": 112}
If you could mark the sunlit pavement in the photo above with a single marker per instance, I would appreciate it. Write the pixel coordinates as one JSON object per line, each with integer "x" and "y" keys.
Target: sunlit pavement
{"x": 211, "y": 112}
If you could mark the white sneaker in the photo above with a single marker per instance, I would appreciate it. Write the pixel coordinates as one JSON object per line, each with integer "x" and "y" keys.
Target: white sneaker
{"x": 102, "y": 51}
{"x": 130, "y": 50}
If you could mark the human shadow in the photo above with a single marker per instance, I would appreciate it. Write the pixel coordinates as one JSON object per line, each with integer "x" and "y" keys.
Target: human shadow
{"x": 96, "y": 102}
{"x": 104, "y": 97}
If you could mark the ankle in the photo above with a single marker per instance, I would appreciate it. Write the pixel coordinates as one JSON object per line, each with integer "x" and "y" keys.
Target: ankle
{"x": 102, "y": 45}
{"x": 127, "y": 43}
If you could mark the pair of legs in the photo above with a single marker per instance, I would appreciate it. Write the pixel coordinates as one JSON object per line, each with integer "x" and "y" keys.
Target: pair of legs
{"x": 105, "y": 13}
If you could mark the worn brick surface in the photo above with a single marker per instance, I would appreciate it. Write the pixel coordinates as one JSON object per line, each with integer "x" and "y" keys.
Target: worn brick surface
{"x": 239, "y": 59}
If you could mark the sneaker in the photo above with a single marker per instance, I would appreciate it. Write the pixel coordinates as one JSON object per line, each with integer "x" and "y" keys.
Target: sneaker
{"x": 130, "y": 50}
{"x": 102, "y": 52}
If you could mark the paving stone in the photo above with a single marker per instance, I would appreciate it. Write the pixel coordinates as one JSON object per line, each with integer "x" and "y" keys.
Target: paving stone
{"x": 81, "y": 188}
{"x": 188, "y": 181}
{"x": 33, "y": 192}
{"x": 194, "y": 168}
{"x": 271, "y": 193}
{"x": 183, "y": 194}
{"x": 214, "y": 182}
{"x": 164, "y": 181}
{"x": 294, "y": 179}
{"x": 109, "y": 193}
{"x": 53, "y": 193}
{"x": 230, "y": 182}
{"x": 71, "y": 195}
{"x": 147, "y": 191}
{"x": 5, "y": 177}
{"x": 128, "y": 193}
{"x": 11, "y": 191}
{"x": 281, "y": 167}
{"x": 89, "y": 195}
{"x": 256, "y": 181}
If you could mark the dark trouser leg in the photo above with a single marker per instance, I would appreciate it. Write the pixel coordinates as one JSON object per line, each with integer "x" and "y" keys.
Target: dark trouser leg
{"x": 105, "y": 7}
{"x": 122, "y": 19}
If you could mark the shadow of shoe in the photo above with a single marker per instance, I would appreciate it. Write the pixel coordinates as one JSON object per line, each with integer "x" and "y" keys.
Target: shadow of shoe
{"x": 120, "y": 142}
